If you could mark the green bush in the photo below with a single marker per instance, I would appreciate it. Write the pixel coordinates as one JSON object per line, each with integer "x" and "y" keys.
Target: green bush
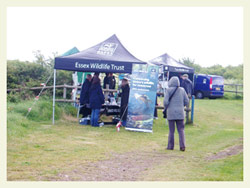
{"x": 69, "y": 109}
{"x": 41, "y": 110}
{"x": 232, "y": 96}
{"x": 12, "y": 97}
{"x": 27, "y": 74}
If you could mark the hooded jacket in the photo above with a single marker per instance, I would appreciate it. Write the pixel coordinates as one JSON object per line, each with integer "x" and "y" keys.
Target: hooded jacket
{"x": 175, "y": 110}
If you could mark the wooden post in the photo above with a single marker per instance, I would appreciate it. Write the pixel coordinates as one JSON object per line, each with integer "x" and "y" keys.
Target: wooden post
{"x": 54, "y": 97}
{"x": 192, "y": 110}
{"x": 187, "y": 112}
{"x": 64, "y": 91}
{"x": 236, "y": 87}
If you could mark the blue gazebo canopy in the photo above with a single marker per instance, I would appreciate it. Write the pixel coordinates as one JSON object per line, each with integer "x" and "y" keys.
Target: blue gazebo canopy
{"x": 107, "y": 56}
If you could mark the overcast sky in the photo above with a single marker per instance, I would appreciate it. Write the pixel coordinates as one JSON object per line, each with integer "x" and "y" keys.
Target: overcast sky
{"x": 207, "y": 35}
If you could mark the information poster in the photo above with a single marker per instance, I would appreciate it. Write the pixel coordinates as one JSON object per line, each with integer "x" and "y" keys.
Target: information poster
{"x": 142, "y": 96}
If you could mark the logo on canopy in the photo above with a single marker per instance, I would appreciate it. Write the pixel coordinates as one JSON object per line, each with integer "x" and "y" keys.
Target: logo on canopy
{"x": 107, "y": 49}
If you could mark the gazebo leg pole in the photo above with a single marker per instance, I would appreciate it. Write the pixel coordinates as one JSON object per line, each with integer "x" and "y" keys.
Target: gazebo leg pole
{"x": 54, "y": 96}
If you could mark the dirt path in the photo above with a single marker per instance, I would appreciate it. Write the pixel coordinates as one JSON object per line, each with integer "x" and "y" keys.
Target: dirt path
{"x": 120, "y": 167}
{"x": 129, "y": 166}
{"x": 233, "y": 150}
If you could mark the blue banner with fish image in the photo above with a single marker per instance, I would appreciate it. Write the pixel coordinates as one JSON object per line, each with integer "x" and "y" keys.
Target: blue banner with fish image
{"x": 142, "y": 96}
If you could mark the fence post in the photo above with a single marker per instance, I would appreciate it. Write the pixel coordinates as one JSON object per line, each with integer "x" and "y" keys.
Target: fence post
{"x": 192, "y": 110}
{"x": 187, "y": 112}
{"x": 54, "y": 97}
{"x": 236, "y": 87}
{"x": 64, "y": 91}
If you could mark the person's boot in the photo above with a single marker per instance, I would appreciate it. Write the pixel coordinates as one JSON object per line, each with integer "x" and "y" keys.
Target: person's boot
{"x": 182, "y": 149}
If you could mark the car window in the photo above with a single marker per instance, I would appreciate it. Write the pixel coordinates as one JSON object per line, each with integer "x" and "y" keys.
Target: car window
{"x": 218, "y": 81}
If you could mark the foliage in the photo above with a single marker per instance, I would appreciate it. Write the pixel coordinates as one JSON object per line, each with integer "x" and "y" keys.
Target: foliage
{"x": 42, "y": 60}
{"x": 232, "y": 96}
{"x": 12, "y": 97}
{"x": 228, "y": 72}
{"x": 31, "y": 74}
{"x": 25, "y": 74}
{"x": 191, "y": 63}
{"x": 16, "y": 97}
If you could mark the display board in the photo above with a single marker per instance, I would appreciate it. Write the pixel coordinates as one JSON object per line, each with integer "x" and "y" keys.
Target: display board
{"x": 142, "y": 96}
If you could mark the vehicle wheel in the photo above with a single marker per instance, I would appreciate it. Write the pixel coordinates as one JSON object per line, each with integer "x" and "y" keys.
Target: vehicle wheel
{"x": 199, "y": 95}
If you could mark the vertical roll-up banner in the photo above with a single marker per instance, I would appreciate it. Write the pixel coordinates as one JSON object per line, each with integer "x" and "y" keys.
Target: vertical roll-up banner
{"x": 142, "y": 96}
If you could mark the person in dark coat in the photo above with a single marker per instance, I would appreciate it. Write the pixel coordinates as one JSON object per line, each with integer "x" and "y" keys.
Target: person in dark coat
{"x": 96, "y": 99}
{"x": 175, "y": 111}
{"x": 124, "y": 101}
{"x": 84, "y": 97}
{"x": 187, "y": 84}
{"x": 106, "y": 81}
{"x": 109, "y": 80}
{"x": 112, "y": 81}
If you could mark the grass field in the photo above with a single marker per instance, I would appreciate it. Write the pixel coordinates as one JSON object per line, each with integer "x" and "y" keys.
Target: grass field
{"x": 69, "y": 151}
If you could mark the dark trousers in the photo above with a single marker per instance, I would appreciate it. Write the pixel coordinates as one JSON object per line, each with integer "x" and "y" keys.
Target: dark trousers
{"x": 180, "y": 128}
{"x": 155, "y": 113}
{"x": 123, "y": 113}
{"x": 156, "y": 103}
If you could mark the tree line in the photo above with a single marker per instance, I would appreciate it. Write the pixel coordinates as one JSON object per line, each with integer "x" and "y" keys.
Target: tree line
{"x": 31, "y": 74}
{"x": 229, "y": 72}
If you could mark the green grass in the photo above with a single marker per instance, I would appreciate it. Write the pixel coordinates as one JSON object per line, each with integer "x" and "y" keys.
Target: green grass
{"x": 38, "y": 150}
{"x": 232, "y": 96}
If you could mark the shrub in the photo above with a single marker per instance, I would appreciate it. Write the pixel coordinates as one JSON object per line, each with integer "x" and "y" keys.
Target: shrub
{"x": 231, "y": 96}
{"x": 12, "y": 97}
{"x": 27, "y": 74}
{"x": 68, "y": 109}
{"x": 41, "y": 110}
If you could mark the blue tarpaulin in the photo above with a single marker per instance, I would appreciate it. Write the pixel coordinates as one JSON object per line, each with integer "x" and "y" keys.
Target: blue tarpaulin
{"x": 107, "y": 56}
{"x": 171, "y": 65}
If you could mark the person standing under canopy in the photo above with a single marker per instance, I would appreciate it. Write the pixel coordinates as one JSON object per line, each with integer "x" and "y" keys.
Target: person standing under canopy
{"x": 96, "y": 99}
{"x": 109, "y": 80}
{"x": 96, "y": 75}
{"x": 112, "y": 81}
{"x": 124, "y": 101}
{"x": 84, "y": 97}
{"x": 106, "y": 81}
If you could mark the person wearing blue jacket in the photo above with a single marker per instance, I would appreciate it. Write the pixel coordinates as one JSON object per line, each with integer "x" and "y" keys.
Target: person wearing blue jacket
{"x": 96, "y": 99}
{"x": 84, "y": 97}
